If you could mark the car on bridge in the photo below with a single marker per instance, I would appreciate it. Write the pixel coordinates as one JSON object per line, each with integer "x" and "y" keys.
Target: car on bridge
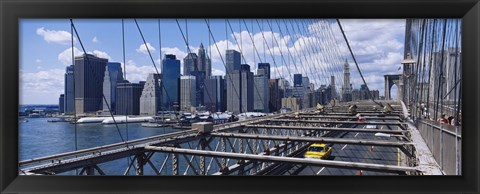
{"x": 318, "y": 151}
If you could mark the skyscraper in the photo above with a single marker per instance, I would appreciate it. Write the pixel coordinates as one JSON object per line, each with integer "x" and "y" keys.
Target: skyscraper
{"x": 200, "y": 84}
{"x": 170, "y": 80}
{"x": 362, "y": 94}
{"x": 203, "y": 61}
{"x": 61, "y": 103}
{"x": 69, "y": 91}
{"x": 261, "y": 92}
{"x": 347, "y": 87}
{"x": 113, "y": 75}
{"x": 150, "y": 100}
{"x": 187, "y": 92}
{"x": 190, "y": 63}
{"x": 232, "y": 61}
{"x": 297, "y": 79}
{"x": 214, "y": 96}
{"x": 266, "y": 67}
{"x": 333, "y": 87}
{"x": 247, "y": 87}
{"x": 240, "y": 90}
{"x": 305, "y": 83}
{"x": 274, "y": 93}
{"x": 127, "y": 97}
{"x": 89, "y": 73}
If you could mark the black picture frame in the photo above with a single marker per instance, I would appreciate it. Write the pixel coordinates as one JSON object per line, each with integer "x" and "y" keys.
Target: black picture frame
{"x": 11, "y": 11}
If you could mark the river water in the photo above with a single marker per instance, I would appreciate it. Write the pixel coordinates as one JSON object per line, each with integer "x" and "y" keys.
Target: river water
{"x": 38, "y": 138}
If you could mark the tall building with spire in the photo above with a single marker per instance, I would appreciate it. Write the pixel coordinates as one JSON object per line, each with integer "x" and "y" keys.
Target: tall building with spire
{"x": 347, "y": 86}
{"x": 203, "y": 61}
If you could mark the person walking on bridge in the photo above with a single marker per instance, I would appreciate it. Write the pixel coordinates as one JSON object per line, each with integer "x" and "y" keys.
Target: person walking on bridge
{"x": 442, "y": 119}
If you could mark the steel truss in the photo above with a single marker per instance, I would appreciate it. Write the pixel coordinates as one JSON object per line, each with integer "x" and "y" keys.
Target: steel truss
{"x": 256, "y": 146}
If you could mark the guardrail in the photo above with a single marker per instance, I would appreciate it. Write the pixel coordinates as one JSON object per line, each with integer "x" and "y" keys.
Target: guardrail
{"x": 444, "y": 142}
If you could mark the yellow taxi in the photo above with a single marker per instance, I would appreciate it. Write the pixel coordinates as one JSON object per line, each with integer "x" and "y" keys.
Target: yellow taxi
{"x": 318, "y": 151}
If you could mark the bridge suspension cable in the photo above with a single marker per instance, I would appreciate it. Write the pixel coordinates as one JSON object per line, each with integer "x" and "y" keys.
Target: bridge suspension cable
{"x": 356, "y": 64}
{"x": 96, "y": 80}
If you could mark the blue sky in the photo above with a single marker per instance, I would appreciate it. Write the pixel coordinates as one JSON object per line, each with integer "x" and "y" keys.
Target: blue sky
{"x": 45, "y": 48}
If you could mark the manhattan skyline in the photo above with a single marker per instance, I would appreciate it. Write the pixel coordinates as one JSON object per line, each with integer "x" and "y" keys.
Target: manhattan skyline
{"x": 45, "y": 49}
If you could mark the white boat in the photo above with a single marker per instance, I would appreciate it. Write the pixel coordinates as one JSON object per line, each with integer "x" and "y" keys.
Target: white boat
{"x": 154, "y": 125}
{"x": 127, "y": 120}
{"x": 91, "y": 119}
{"x": 243, "y": 116}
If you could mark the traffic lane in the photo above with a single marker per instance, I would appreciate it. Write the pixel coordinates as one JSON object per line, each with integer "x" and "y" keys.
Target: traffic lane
{"x": 358, "y": 153}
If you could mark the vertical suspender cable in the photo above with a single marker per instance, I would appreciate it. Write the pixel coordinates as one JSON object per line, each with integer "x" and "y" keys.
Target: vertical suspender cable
{"x": 440, "y": 77}
{"x": 74, "y": 107}
{"x": 125, "y": 78}
{"x": 96, "y": 79}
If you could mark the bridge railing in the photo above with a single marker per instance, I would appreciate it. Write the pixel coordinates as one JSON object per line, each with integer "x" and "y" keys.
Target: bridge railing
{"x": 444, "y": 142}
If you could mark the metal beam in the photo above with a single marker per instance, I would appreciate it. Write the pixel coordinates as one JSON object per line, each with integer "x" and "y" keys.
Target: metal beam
{"x": 302, "y": 161}
{"x": 350, "y": 114}
{"x": 100, "y": 149}
{"x": 339, "y": 122}
{"x": 347, "y": 117}
{"x": 313, "y": 139}
{"x": 327, "y": 129}
{"x": 76, "y": 163}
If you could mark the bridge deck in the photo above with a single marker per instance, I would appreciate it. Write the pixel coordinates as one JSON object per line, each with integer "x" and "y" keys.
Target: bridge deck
{"x": 256, "y": 146}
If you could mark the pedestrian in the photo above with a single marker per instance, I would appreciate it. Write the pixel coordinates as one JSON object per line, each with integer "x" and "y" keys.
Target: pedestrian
{"x": 450, "y": 119}
{"x": 425, "y": 113}
{"x": 442, "y": 119}
{"x": 459, "y": 120}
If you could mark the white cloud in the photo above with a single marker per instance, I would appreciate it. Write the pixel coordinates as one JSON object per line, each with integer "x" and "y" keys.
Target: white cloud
{"x": 217, "y": 72}
{"x": 378, "y": 46}
{"x": 143, "y": 49}
{"x": 136, "y": 73}
{"x": 38, "y": 61}
{"x": 54, "y": 36}
{"x": 102, "y": 54}
{"x": 180, "y": 54}
{"x": 46, "y": 85}
{"x": 376, "y": 43}
{"x": 66, "y": 56}
{"x": 95, "y": 39}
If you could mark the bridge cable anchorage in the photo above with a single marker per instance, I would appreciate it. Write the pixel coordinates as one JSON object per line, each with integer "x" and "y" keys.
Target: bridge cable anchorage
{"x": 356, "y": 64}
{"x": 96, "y": 80}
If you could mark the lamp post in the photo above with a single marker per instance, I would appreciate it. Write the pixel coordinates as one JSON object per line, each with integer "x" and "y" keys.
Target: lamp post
{"x": 408, "y": 74}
